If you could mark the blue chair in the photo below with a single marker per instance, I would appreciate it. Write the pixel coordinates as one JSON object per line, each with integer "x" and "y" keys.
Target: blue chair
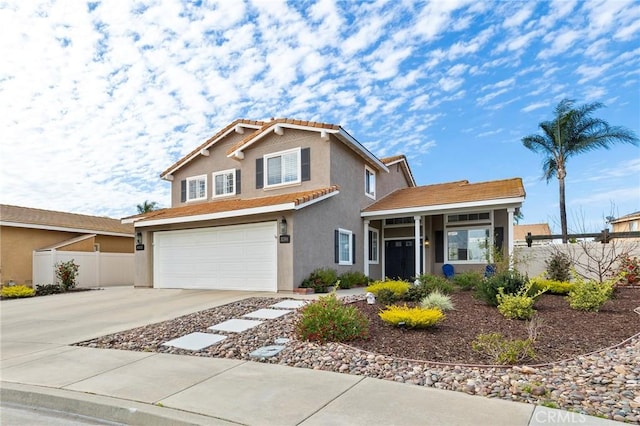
{"x": 489, "y": 271}
{"x": 447, "y": 270}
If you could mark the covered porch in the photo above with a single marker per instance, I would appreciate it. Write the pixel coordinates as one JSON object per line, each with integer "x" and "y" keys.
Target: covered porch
{"x": 417, "y": 230}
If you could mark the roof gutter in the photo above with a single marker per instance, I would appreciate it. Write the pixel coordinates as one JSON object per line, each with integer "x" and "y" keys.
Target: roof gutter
{"x": 442, "y": 208}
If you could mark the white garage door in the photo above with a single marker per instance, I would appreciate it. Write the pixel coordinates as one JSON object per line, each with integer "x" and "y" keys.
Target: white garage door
{"x": 238, "y": 257}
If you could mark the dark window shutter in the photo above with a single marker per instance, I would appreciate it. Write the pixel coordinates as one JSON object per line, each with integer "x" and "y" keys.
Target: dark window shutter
{"x": 183, "y": 190}
{"x": 370, "y": 248}
{"x": 336, "y": 234}
{"x": 353, "y": 249}
{"x": 259, "y": 173}
{"x": 498, "y": 234}
{"x": 238, "y": 181}
{"x": 439, "y": 246}
{"x": 305, "y": 164}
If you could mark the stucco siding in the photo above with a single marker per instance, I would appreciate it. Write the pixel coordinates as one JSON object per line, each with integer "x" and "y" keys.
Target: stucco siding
{"x": 389, "y": 182}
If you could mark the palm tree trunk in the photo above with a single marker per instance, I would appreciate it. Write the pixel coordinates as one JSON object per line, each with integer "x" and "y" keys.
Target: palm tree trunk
{"x": 563, "y": 208}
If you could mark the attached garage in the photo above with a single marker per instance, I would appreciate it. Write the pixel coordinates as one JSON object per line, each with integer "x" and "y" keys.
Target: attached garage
{"x": 236, "y": 257}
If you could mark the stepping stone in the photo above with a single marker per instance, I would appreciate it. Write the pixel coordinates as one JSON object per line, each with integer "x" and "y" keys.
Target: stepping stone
{"x": 267, "y": 313}
{"x": 195, "y": 341}
{"x": 266, "y": 351}
{"x": 289, "y": 304}
{"x": 235, "y": 325}
{"x": 281, "y": 340}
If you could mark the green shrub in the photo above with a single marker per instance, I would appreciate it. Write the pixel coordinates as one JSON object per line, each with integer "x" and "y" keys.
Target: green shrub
{"x": 468, "y": 280}
{"x": 320, "y": 279}
{"x": 411, "y": 317}
{"x": 329, "y": 320}
{"x": 558, "y": 267}
{"x": 426, "y": 285}
{"x": 386, "y": 297}
{"x": 518, "y": 305}
{"x": 399, "y": 288}
{"x": 487, "y": 290}
{"x": 46, "y": 289}
{"x": 551, "y": 286}
{"x": 16, "y": 291}
{"x": 502, "y": 350}
{"x": 353, "y": 279}
{"x": 437, "y": 300}
{"x": 66, "y": 274}
{"x": 589, "y": 295}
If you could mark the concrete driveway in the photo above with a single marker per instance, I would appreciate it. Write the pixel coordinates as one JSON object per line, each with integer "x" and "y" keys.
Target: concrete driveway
{"x": 49, "y": 322}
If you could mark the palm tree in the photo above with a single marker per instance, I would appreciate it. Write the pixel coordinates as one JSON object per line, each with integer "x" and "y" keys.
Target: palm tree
{"x": 572, "y": 132}
{"x": 147, "y": 206}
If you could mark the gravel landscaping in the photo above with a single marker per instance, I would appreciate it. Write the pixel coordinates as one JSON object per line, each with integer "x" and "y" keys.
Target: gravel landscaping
{"x": 603, "y": 383}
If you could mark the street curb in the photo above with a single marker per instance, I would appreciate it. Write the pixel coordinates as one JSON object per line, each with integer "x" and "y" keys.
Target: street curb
{"x": 102, "y": 407}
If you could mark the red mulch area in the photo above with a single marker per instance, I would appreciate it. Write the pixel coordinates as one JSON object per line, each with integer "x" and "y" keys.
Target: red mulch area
{"x": 564, "y": 333}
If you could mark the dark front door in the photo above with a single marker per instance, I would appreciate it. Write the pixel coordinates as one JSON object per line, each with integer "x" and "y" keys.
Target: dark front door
{"x": 399, "y": 260}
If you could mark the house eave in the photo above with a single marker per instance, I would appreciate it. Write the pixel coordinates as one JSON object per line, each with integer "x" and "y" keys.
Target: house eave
{"x": 63, "y": 229}
{"x": 443, "y": 208}
{"x": 218, "y": 215}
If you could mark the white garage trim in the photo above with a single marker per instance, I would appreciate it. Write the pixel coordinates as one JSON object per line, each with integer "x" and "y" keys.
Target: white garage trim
{"x": 236, "y": 257}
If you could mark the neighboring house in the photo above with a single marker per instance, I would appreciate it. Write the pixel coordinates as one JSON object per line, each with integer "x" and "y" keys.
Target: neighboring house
{"x": 24, "y": 230}
{"x": 261, "y": 204}
{"x": 520, "y": 233}
{"x": 627, "y": 223}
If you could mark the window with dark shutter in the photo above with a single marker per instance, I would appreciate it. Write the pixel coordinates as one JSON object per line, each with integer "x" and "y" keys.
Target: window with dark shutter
{"x": 305, "y": 164}
{"x": 336, "y": 245}
{"x": 183, "y": 191}
{"x": 259, "y": 173}
{"x": 238, "y": 182}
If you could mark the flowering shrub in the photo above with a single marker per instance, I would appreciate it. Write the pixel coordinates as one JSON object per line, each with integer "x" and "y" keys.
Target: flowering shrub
{"x": 411, "y": 317}
{"x": 66, "y": 274}
{"x": 399, "y": 288}
{"x": 329, "y": 320}
{"x": 630, "y": 267}
{"x": 16, "y": 291}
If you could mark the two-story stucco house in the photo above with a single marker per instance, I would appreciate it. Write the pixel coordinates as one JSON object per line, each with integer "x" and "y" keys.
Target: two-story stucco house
{"x": 261, "y": 204}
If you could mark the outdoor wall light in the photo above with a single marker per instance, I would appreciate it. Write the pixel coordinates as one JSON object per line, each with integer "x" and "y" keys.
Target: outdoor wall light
{"x": 138, "y": 237}
{"x": 426, "y": 242}
{"x": 283, "y": 226}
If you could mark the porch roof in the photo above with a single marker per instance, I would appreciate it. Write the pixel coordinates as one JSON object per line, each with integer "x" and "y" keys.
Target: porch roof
{"x": 448, "y": 196}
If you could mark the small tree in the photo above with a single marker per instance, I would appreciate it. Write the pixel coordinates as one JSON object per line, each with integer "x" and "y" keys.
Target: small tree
{"x": 147, "y": 206}
{"x": 66, "y": 274}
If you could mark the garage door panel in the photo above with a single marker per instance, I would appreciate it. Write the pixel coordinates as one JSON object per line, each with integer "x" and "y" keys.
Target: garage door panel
{"x": 239, "y": 257}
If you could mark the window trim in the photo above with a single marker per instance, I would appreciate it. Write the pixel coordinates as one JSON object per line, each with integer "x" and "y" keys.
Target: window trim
{"x": 265, "y": 176}
{"x": 367, "y": 172}
{"x": 196, "y": 178}
{"x": 372, "y": 232}
{"x": 350, "y": 239}
{"x": 222, "y": 173}
{"x": 486, "y": 227}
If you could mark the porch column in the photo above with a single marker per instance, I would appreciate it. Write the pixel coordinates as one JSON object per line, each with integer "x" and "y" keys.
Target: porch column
{"x": 365, "y": 248}
{"x": 510, "y": 212}
{"x": 416, "y": 245}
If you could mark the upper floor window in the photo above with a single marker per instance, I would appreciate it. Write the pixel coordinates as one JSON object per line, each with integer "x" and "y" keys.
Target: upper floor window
{"x": 369, "y": 182}
{"x": 197, "y": 188}
{"x": 224, "y": 183}
{"x": 283, "y": 167}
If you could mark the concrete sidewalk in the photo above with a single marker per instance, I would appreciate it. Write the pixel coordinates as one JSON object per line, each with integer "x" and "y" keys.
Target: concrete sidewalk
{"x": 38, "y": 368}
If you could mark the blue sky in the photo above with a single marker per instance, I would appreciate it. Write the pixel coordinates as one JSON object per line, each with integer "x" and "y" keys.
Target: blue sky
{"x": 98, "y": 98}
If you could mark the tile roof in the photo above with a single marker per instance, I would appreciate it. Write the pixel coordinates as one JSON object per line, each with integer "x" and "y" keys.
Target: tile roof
{"x": 230, "y": 126}
{"x": 49, "y": 218}
{"x": 234, "y": 204}
{"x": 520, "y": 231}
{"x": 449, "y": 193}
{"x": 276, "y": 121}
{"x": 627, "y": 217}
{"x": 396, "y": 158}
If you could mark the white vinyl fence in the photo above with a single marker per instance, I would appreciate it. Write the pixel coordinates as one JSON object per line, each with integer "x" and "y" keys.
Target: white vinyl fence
{"x": 96, "y": 269}
{"x": 531, "y": 260}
